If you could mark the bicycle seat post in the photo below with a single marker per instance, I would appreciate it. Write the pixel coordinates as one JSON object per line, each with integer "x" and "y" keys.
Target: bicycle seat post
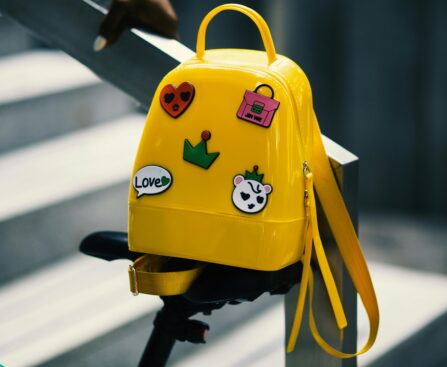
{"x": 159, "y": 346}
{"x": 172, "y": 323}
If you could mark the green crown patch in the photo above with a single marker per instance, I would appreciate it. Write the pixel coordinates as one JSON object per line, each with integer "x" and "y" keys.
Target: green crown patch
{"x": 199, "y": 155}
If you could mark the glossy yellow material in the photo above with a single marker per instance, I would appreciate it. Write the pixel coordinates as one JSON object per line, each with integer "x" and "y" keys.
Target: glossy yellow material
{"x": 254, "y": 16}
{"x": 195, "y": 218}
{"x": 348, "y": 245}
{"x": 146, "y": 276}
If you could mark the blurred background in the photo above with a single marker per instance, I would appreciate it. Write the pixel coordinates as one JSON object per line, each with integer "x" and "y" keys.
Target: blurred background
{"x": 379, "y": 79}
{"x": 377, "y": 70}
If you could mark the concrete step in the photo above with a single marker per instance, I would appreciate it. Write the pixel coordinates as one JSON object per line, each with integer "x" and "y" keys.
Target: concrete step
{"x": 409, "y": 300}
{"x": 95, "y": 322}
{"x": 55, "y": 192}
{"x": 47, "y": 93}
{"x": 64, "y": 306}
{"x": 14, "y": 38}
{"x": 49, "y": 317}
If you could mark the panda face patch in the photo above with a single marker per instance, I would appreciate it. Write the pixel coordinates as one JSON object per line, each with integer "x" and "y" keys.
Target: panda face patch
{"x": 250, "y": 196}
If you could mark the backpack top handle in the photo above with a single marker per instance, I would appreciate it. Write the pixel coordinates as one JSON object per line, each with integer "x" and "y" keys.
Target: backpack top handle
{"x": 253, "y": 15}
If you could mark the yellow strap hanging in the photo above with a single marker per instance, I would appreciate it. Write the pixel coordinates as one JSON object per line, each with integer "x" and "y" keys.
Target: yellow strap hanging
{"x": 346, "y": 238}
{"x": 331, "y": 288}
{"x": 302, "y": 292}
{"x": 313, "y": 236}
{"x": 348, "y": 244}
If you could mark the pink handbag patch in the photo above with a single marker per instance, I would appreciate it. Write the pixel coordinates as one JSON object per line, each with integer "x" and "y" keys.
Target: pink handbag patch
{"x": 258, "y": 108}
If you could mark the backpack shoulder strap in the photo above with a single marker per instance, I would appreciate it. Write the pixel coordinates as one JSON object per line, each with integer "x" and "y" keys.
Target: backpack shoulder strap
{"x": 348, "y": 244}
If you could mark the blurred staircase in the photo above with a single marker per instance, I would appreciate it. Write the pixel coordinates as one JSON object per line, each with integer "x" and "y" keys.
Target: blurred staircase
{"x": 67, "y": 143}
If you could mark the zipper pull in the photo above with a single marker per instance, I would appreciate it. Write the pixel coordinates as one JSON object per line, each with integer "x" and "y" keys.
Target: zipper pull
{"x": 307, "y": 178}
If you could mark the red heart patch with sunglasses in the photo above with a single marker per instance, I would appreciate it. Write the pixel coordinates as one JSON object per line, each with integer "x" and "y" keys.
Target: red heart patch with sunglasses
{"x": 175, "y": 100}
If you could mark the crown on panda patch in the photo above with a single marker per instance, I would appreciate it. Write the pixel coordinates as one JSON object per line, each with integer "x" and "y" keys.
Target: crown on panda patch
{"x": 254, "y": 175}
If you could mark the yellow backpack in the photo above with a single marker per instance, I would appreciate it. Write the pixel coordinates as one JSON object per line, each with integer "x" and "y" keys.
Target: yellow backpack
{"x": 225, "y": 173}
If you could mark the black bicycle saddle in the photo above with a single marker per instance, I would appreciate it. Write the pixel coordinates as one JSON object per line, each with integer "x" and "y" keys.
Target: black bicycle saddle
{"x": 216, "y": 283}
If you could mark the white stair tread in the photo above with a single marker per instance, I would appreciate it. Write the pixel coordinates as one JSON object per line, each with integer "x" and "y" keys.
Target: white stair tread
{"x": 65, "y": 305}
{"x": 34, "y": 73}
{"x": 257, "y": 343}
{"x": 408, "y": 301}
{"x": 68, "y": 166}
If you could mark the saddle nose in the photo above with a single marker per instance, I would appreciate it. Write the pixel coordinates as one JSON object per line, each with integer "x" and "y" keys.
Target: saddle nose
{"x": 108, "y": 245}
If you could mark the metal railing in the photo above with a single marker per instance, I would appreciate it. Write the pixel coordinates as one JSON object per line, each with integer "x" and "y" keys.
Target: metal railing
{"x": 135, "y": 65}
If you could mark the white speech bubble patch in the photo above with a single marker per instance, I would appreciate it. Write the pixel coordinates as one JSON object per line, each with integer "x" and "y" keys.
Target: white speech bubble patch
{"x": 151, "y": 180}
